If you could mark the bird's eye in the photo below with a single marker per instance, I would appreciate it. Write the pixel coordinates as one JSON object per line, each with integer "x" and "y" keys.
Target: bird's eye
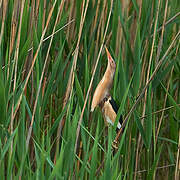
{"x": 112, "y": 62}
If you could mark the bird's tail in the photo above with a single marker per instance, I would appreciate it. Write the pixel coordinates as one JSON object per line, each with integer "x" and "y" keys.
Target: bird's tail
{"x": 119, "y": 125}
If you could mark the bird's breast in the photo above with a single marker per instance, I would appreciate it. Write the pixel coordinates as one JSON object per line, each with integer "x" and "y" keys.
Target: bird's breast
{"x": 101, "y": 91}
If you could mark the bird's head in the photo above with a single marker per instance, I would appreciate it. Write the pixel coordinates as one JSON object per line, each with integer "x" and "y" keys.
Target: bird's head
{"x": 111, "y": 62}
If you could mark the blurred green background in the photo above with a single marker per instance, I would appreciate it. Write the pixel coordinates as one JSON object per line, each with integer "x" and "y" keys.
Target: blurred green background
{"x": 48, "y": 55}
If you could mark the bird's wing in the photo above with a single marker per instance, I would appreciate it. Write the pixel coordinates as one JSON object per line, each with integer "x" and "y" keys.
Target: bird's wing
{"x": 115, "y": 107}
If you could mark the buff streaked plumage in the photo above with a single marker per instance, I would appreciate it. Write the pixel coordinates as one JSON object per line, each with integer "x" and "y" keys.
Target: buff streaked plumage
{"x": 104, "y": 86}
{"x": 109, "y": 110}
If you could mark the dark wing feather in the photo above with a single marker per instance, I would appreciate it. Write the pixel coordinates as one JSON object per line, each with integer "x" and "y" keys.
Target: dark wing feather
{"x": 115, "y": 107}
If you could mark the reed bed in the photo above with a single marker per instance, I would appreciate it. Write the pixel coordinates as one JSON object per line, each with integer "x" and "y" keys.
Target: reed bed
{"x": 52, "y": 58}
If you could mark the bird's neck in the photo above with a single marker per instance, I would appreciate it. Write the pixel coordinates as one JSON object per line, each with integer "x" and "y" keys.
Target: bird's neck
{"x": 109, "y": 74}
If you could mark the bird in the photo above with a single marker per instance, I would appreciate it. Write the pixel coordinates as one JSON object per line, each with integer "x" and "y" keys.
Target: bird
{"x": 109, "y": 110}
{"x": 104, "y": 86}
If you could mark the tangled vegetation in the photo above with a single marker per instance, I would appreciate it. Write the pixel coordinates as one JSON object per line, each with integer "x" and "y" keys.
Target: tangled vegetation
{"x": 52, "y": 58}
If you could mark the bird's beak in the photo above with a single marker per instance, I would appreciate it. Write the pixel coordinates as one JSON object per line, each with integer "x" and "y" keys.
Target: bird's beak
{"x": 108, "y": 54}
